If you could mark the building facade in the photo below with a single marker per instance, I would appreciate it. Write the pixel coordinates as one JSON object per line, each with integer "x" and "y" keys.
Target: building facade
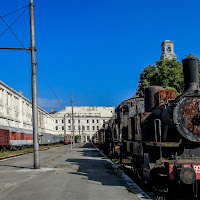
{"x": 87, "y": 120}
{"x": 16, "y": 112}
{"x": 16, "y": 116}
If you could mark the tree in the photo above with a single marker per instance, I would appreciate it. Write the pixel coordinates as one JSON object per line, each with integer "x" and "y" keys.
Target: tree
{"x": 165, "y": 73}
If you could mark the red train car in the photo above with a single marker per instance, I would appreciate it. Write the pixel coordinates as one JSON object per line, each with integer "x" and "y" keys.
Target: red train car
{"x": 14, "y": 139}
{"x": 67, "y": 139}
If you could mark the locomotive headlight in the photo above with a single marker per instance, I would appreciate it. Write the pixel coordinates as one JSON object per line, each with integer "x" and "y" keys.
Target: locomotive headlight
{"x": 187, "y": 175}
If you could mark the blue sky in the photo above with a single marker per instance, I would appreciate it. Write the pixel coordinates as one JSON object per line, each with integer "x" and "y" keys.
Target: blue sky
{"x": 95, "y": 49}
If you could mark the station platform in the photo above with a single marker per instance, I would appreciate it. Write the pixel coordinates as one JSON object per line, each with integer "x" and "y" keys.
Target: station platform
{"x": 78, "y": 174}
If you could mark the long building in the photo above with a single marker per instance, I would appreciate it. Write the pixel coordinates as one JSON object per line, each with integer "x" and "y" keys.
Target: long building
{"x": 16, "y": 116}
{"x": 16, "y": 112}
{"x": 87, "y": 120}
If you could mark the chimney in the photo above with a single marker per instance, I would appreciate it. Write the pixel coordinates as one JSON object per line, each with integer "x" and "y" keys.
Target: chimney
{"x": 191, "y": 73}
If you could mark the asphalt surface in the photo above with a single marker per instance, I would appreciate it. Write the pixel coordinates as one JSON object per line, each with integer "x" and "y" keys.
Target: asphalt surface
{"x": 79, "y": 174}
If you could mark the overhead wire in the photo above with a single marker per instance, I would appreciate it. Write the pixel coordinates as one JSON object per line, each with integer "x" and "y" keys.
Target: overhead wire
{"x": 12, "y": 31}
{"x": 9, "y": 27}
{"x": 13, "y": 21}
{"x": 15, "y": 11}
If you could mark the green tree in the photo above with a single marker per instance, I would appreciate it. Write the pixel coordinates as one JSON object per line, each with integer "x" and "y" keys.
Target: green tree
{"x": 165, "y": 73}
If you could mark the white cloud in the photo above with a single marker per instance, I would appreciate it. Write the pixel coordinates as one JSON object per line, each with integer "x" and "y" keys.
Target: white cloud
{"x": 47, "y": 104}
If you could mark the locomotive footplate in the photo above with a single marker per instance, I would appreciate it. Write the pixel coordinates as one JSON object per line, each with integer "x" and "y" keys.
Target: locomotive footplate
{"x": 162, "y": 144}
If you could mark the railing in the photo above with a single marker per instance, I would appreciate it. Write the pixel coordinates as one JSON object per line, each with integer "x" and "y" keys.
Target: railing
{"x": 159, "y": 133}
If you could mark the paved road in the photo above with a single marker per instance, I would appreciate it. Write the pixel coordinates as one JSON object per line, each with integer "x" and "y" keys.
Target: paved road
{"x": 80, "y": 174}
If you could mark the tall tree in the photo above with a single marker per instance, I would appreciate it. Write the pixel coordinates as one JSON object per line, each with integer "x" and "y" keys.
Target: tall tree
{"x": 165, "y": 73}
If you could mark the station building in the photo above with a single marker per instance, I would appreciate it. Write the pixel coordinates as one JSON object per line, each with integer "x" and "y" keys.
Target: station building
{"x": 87, "y": 120}
{"x": 16, "y": 116}
{"x": 16, "y": 112}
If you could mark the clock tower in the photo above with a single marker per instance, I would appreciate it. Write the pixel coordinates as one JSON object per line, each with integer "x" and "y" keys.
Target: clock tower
{"x": 167, "y": 50}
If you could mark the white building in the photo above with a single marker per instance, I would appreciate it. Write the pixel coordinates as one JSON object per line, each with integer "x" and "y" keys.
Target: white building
{"x": 87, "y": 120}
{"x": 16, "y": 115}
{"x": 16, "y": 112}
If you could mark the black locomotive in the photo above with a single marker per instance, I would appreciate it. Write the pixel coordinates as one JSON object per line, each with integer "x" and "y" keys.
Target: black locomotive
{"x": 159, "y": 135}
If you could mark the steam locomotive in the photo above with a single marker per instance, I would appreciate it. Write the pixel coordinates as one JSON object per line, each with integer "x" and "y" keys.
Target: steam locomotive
{"x": 159, "y": 136}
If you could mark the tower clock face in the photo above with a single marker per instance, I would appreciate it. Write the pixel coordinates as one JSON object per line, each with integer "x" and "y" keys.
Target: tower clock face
{"x": 169, "y": 49}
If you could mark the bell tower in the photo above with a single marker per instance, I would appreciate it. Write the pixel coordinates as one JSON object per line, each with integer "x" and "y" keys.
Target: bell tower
{"x": 167, "y": 50}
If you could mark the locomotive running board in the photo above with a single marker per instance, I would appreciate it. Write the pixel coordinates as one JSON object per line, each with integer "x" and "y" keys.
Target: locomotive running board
{"x": 162, "y": 144}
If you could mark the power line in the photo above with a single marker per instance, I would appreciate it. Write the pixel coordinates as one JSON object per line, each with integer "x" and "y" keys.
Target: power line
{"x": 12, "y": 32}
{"x": 49, "y": 85}
{"x": 14, "y": 11}
{"x": 37, "y": 63}
{"x": 13, "y": 21}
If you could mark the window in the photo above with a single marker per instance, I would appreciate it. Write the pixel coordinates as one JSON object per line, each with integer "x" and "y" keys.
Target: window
{"x": 83, "y": 128}
{"x": 93, "y": 128}
{"x": 93, "y": 121}
{"x": 97, "y": 121}
{"x": 62, "y": 121}
{"x": 56, "y": 128}
{"x": 79, "y": 121}
{"x": 56, "y": 121}
{"x": 62, "y": 127}
{"x": 69, "y": 127}
{"x": 87, "y": 121}
{"x": 88, "y": 128}
{"x": 97, "y": 127}
{"x": 68, "y": 120}
{"x": 79, "y": 128}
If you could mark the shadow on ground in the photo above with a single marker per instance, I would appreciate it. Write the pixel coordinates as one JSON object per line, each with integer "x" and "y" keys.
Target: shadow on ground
{"x": 14, "y": 166}
{"x": 94, "y": 167}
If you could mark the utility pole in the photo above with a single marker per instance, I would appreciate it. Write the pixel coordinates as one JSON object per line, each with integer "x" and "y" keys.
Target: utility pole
{"x": 71, "y": 131}
{"x": 65, "y": 125}
{"x": 72, "y": 123}
{"x": 34, "y": 90}
{"x": 34, "y": 86}
{"x": 79, "y": 128}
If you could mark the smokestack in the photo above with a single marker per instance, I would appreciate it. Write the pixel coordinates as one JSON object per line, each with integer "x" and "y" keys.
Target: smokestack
{"x": 191, "y": 73}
